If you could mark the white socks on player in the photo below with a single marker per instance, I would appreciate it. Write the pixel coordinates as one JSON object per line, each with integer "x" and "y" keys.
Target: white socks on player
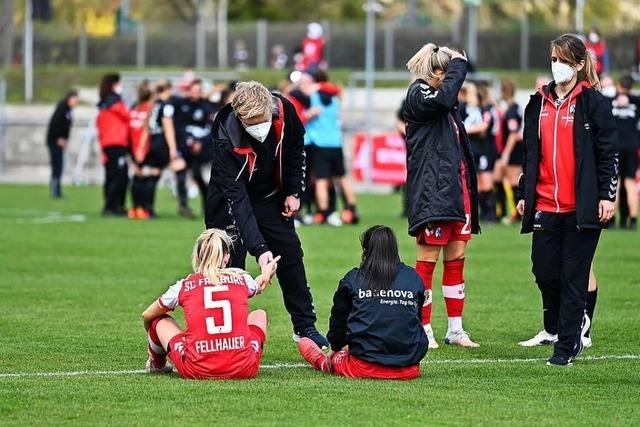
{"x": 454, "y": 324}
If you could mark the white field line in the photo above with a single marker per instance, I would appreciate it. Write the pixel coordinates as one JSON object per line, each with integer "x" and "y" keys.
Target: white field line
{"x": 304, "y": 365}
{"x": 34, "y": 216}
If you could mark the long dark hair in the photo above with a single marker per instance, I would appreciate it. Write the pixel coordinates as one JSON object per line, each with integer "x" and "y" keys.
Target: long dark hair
{"x": 379, "y": 257}
{"x": 572, "y": 50}
{"x": 107, "y": 83}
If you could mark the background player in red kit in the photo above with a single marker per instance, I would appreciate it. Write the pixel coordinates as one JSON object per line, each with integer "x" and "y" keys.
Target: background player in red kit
{"x": 222, "y": 339}
{"x": 139, "y": 147}
{"x": 442, "y": 191}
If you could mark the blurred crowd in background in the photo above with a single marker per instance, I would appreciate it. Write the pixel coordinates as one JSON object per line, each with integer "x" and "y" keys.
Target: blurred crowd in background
{"x": 168, "y": 127}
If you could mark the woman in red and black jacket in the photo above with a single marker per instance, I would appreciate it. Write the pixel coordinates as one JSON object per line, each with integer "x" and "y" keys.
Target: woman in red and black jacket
{"x": 113, "y": 134}
{"x": 567, "y": 190}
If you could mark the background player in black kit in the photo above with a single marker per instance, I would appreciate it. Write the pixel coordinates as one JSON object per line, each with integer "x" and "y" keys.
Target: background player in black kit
{"x": 163, "y": 150}
{"x": 193, "y": 118}
{"x": 478, "y": 124}
{"x": 58, "y": 138}
{"x": 257, "y": 177}
{"x": 626, "y": 110}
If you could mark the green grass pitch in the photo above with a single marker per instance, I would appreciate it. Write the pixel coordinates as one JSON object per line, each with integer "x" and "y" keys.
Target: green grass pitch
{"x": 72, "y": 289}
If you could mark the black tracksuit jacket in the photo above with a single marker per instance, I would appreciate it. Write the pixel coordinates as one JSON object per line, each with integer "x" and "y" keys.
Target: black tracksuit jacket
{"x": 246, "y": 171}
{"x": 384, "y": 327}
{"x": 434, "y": 186}
{"x": 60, "y": 123}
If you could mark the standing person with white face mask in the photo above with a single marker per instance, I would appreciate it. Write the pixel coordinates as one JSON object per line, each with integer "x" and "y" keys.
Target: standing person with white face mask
{"x": 257, "y": 177}
{"x": 567, "y": 191}
{"x": 597, "y": 47}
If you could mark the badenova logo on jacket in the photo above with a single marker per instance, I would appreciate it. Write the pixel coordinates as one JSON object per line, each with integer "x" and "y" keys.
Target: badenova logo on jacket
{"x": 390, "y": 296}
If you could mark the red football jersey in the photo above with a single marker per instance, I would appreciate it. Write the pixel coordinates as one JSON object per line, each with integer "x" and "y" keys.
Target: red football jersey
{"x": 137, "y": 118}
{"x": 217, "y": 334}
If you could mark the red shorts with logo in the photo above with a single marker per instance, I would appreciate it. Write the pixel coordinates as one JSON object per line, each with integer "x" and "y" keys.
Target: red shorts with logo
{"x": 249, "y": 370}
{"x": 442, "y": 232}
{"x": 347, "y": 365}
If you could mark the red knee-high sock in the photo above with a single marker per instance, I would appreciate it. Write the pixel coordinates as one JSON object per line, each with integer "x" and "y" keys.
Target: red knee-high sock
{"x": 157, "y": 353}
{"x": 425, "y": 271}
{"x": 453, "y": 291}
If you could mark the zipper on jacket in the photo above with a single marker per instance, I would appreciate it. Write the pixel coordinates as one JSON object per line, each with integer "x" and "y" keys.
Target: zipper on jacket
{"x": 555, "y": 155}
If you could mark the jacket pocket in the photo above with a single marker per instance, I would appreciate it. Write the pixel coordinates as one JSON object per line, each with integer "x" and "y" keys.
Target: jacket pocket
{"x": 444, "y": 172}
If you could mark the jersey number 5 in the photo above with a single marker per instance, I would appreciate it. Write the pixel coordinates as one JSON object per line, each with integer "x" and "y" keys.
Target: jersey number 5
{"x": 225, "y": 305}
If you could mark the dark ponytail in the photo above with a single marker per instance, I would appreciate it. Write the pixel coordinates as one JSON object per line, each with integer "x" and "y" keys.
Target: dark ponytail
{"x": 107, "y": 83}
{"x": 379, "y": 257}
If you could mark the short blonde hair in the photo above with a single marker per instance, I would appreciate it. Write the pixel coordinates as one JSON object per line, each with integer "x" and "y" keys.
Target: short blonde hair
{"x": 427, "y": 61}
{"x": 251, "y": 100}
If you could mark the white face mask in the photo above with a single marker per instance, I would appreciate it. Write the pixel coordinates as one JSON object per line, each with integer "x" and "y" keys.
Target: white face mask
{"x": 609, "y": 91}
{"x": 562, "y": 72}
{"x": 593, "y": 38}
{"x": 259, "y": 131}
{"x": 118, "y": 89}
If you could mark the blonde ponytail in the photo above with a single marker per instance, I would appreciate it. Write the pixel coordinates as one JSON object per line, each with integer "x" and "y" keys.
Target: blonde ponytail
{"x": 588, "y": 72}
{"x": 209, "y": 252}
{"x": 429, "y": 59}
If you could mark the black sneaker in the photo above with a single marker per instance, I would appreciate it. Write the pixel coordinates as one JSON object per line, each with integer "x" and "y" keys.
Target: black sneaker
{"x": 584, "y": 330}
{"x": 560, "y": 361}
{"x": 109, "y": 212}
{"x": 186, "y": 212}
{"x": 312, "y": 333}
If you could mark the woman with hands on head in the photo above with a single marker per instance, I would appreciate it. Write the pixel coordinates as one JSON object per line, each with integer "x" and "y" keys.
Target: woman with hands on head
{"x": 441, "y": 181}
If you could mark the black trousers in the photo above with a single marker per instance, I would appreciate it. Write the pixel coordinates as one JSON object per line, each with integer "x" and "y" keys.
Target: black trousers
{"x": 281, "y": 238}
{"x": 56, "y": 156}
{"x": 562, "y": 255}
{"x": 116, "y": 178}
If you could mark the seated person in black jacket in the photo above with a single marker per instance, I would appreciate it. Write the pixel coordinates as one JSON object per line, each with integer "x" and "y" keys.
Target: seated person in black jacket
{"x": 375, "y": 328}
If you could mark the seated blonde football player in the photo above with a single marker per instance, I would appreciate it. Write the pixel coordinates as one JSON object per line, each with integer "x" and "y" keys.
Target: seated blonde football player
{"x": 222, "y": 339}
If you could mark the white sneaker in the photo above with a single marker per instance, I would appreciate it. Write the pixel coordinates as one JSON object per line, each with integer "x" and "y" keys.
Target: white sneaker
{"x": 334, "y": 219}
{"x": 460, "y": 338}
{"x": 307, "y": 219}
{"x": 153, "y": 370}
{"x": 586, "y": 324}
{"x": 432, "y": 340}
{"x": 541, "y": 338}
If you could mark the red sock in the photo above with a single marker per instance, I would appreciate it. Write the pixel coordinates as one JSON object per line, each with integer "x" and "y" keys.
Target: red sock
{"x": 425, "y": 271}
{"x": 157, "y": 353}
{"x": 453, "y": 287}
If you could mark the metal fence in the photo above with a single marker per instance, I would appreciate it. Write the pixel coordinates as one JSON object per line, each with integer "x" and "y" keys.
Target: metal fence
{"x": 251, "y": 44}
